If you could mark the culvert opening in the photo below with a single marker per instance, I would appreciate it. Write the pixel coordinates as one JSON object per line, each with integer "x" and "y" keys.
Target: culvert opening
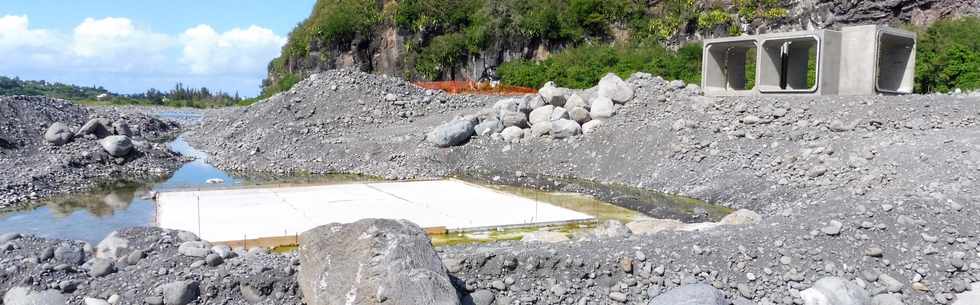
{"x": 895, "y": 65}
{"x": 789, "y": 65}
{"x": 730, "y": 66}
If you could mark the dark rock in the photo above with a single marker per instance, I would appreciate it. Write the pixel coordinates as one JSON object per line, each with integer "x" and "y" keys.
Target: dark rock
{"x": 372, "y": 261}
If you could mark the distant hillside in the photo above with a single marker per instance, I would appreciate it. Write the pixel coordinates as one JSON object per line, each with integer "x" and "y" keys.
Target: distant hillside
{"x": 470, "y": 39}
{"x": 16, "y": 86}
{"x": 179, "y": 96}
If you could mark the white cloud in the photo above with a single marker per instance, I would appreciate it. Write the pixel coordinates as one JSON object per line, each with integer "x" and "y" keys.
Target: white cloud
{"x": 236, "y": 51}
{"x": 119, "y": 48}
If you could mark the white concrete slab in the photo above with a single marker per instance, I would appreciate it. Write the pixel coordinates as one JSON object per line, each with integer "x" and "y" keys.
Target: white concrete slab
{"x": 250, "y": 213}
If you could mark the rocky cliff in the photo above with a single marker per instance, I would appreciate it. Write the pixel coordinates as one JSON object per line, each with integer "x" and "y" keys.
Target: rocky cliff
{"x": 468, "y": 39}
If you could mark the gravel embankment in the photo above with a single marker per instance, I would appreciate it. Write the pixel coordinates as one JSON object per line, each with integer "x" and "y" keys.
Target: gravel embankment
{"x": 853, "y": 186}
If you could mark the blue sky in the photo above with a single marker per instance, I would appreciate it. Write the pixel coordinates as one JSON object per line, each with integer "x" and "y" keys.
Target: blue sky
{"x": 130, "y": 46}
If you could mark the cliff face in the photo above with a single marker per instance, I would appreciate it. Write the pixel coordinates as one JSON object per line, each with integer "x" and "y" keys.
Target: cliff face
{"x": 393, "y": 46}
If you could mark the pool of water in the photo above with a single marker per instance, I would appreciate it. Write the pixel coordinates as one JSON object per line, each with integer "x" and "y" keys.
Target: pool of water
{"x": 93, "y": 215}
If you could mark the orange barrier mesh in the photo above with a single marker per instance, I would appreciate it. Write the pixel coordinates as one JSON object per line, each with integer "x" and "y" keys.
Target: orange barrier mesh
{"x": 471, "y": 87}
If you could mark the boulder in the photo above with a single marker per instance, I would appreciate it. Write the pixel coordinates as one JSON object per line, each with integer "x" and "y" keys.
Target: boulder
{"x": 512, "y": 134}
{"x": 741, "y": 217}
{"x": 94, "y": 301}
{"x": 98, "y": 267}
{"x": 372, "y": 261}
{"x": 602, "y": 108}
{"x": 544, "y": 237}
{"x": 27, "y": 296}
{"x": 541, "y": 114}
{"x": 122, "y": 129}
{"x": 677, "y": 84}
{"x": 117, "y": 146}
{"x": 180, "y": 292}
{"x": 615, "y": 88}
{"x": 834, "y": 290}
{"x": 507, "y": 104}
{"x": 653, "y": 226}
{"x": 58, "y": 134}
{"x": 112, "y": 247}
{"x": 693, "y": 294}
{"x": 488, "y": 127}
{"x": 552, "y": 94}
{"x": 576, "y": 100}
{"x": 612, "y": 229}
{"x": 454, "y": 133}
{"x": 541, "y": 129}
{"x": 559, "y": 113}
{"x": 579, "y": 115}
{"x": 194, "y": 248}
{"x": 69, "y": 254}
{"x": 563, "y": 128}
{"x": 7, "y": 143}
{"x": 591, "y": 126}
{"x": 479, "y": 297}
{"x": 533, "y": 101}
{"x": 513, "y": 118}
{"x": 97, "y": 127}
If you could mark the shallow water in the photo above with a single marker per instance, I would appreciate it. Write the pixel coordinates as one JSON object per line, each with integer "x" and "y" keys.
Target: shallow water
{"x": 93, "y": 215}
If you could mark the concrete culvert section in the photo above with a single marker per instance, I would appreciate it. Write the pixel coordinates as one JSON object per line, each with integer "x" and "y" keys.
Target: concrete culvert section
{"x": 729, "y": 67}
{"x": 896, "y": 63}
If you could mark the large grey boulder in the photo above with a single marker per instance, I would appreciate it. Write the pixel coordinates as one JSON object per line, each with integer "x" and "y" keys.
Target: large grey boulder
{"x": 122, "y": 129}
{"x": 576, "y": 100}
{"x": 579, "y": 114}
{"x": 513, "y": 118}
{"x": 27, "y": 296}
{"x": 602, "y": 108}
{"x": 553, "y": 94}
{"x": 591, "y": 126}
{"x": 507, "y": 104}
{"x": 194, "y": 248}
{"x": 834, "y": 290}
{"x": 561, "y": 129}
{"x": 559, "y": 113}
{"x": 117, "y": 146}
{"x": 488, "y": 127}
{"x": 100, "y": 266}
{"x": 741, "y": 217}
{"x": 541, "y": 114}
{"x": 694, "y": 294}
{"x": 512, "y": 134}
{"x": 112, "y": 247}
{"x": 69, "y": 254}
{"x": 479, "y": 297}
{"x": 58, "y": 134}
{"x": 372, "y": 261}
{"x": 97, "y": 127}
{"x": 453, "y": 133}
{"x": 615, "y": 88}
{"x": 533, "y": 101}
{"x": 541, "y": 129}
{"x": 180, "y": 292}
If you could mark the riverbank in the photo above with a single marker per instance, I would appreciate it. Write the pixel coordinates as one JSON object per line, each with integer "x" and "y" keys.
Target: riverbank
{"x": 36, "y": 168}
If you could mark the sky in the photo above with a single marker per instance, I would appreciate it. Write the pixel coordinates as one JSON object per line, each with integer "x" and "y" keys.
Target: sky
{"x": 130, "y": 46}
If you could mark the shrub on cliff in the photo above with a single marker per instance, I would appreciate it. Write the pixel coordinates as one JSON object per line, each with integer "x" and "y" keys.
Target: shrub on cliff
{"x": 582, "y": 67}
{"x": 948, "y": 56}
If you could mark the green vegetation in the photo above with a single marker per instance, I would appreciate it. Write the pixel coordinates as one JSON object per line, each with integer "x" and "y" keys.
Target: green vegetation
{"x": 948, "y": 56}
{"x": 582, "y": 67}
{"x": 179, "y": 96}
{"x": 440, "y": 35}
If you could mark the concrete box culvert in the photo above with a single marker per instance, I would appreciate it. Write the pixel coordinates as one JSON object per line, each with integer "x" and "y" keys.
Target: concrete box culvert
{"x": 859, "y": 60}
{"x": 727, "y": 66}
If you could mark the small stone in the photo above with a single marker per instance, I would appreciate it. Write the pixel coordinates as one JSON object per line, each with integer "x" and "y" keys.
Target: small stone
{"x": 874, "y": 252}
{"x": 833, "y": 228}
{"x": 617, "y": 296}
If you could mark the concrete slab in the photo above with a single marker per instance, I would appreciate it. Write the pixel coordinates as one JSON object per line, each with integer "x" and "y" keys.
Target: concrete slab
{"x": 250, "y": 213}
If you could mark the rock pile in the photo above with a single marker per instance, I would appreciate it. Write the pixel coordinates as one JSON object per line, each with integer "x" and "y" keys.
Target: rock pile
{"x": 51, "y": 146}
{"x": 556, "y": 112}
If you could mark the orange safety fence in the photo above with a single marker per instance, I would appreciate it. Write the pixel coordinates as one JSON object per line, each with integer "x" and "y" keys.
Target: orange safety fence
{"x": 472, "y": 87}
